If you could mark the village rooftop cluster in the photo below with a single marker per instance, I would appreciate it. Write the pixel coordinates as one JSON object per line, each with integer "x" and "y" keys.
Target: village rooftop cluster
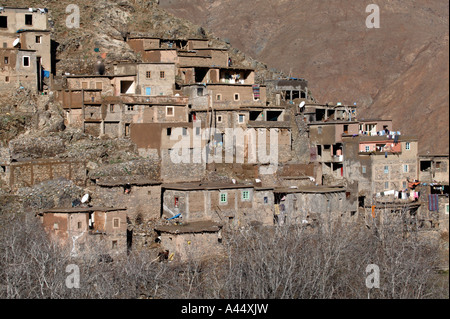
{"x": 331, "y": 165}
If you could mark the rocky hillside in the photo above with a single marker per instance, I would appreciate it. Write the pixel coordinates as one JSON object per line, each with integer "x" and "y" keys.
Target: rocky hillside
{"x": 399, "y": 71}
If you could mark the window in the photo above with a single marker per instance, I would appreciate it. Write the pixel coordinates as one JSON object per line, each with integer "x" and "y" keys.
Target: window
{"x": 241, "y": 118}
{"x": 130, "y": 107}
{"x": 367, "y": 148}
{"x": 127, "y": 129}
{"x": 404, "y": 185}
{"x": 176, "y": 202}
{"x": 26, "y": 61}
{"x": 405, "y": 168}
{"x": 169, "y": 131}
{"x": 408, "y": 146}
{"x": 55, "y": 226}
{"x": 199, "y": 91}
{"x": 84, "y": 85}
{"x": 38, "y": 39}
{"x": 197, "y": 131}
{"x": 386, "y": 169}
{"x": 185, "y": 131}
{"x": 219, "y": 118}
{"x": 223, "y": 198}
{"x": 7, "y": 79}
{"x": 169, "y": 111}
{"x": 6, "y": 60}
{"x": 219, "y": 97}
{"x": 28, "y": 19}
{"x": 266, "y": 200}
{"x": 148, "y": 74}
{"x": 386, "y": 185}
{"x": 236, "y": 96}
{"x": 114, "y": 244}
{"x": 363, "y": 169}
{"x": 116, "y": 222}
{"x": 3, "y": 22}
{"x": 111, "y": 108}
{"x": 162, "y": 75}
{"x": 79, "y": 225}
{"x": 99, "y": 85}
{"x": 245, "y": 195}
{"x": 319, "y": 130}
{"x": 446, "y": 208}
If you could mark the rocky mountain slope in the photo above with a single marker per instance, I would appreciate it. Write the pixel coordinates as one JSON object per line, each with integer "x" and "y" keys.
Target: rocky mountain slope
{"x": 399, "y": 71}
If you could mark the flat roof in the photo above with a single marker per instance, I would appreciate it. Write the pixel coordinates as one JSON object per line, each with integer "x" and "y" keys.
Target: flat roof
{"x": 333, "y": 122}
{"x": 433, "y": 155}
{"x": 374, "y": 120}
{"x": 384, "y": 138}
{"x": 74, "y": 210}
{"x": 309, "y": 189}
{"x": 269, "y": 124}
{"x": 126, "y": 180}
{"x": 206, "y": 226}
{"x": 98, "y": 75}
{"x": 32, "y": 30}
{"x": 204, "y": 186}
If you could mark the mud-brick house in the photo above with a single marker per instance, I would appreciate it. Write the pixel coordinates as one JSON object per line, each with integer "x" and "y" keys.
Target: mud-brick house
{"x": 152, "y": 78}
{"x": 140, "y": 194}
{"x": 27, "y": 30}
{"x": 18, "y": 69}
{"x": 290, "y": 91}
{"x": 434, "y": 168}
{"x": 86, "y": 229}
{"x": 226, "y": 203}
{"x": 311, "y": 205}
{"x": 193, "y": 240}
{"x": 327, "y": 145}
{"x": 13, "y": 19}
{"x": 380, "y": 166}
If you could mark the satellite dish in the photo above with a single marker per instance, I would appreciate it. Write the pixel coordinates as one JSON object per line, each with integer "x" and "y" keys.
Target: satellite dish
{"x": 302, "y": 104}
{"x": 16, "y": 42}
{"x": 234, "y": 181}
{"x": 257, "y": 180}
{"x": 85, "y": 198}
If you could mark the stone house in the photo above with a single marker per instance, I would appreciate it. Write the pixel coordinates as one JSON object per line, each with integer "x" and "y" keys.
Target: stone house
{"x": 194, "y": 240}
{"x": 83, "y": 229}
{"x": 231, "y": 204}
{"x": 380, "y": 164}
{"x": 139, "y": 194}
{"x": 312, "y": 205}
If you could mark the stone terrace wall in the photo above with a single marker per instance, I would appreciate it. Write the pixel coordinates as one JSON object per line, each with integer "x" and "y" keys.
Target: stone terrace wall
{"x": 29, "y": 173}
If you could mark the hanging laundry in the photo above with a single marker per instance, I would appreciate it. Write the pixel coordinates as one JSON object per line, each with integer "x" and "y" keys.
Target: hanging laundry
{"x": 277, "y": 209}
{"x": 433, "y": 202}
{"x": 373, "y": 211}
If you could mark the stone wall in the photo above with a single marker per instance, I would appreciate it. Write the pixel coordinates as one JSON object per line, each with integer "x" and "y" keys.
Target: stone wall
{"x": 27, "y": 174}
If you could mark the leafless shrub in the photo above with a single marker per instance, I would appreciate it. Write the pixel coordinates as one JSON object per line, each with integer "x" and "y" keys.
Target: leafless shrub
{"x": 285, "y": 262}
